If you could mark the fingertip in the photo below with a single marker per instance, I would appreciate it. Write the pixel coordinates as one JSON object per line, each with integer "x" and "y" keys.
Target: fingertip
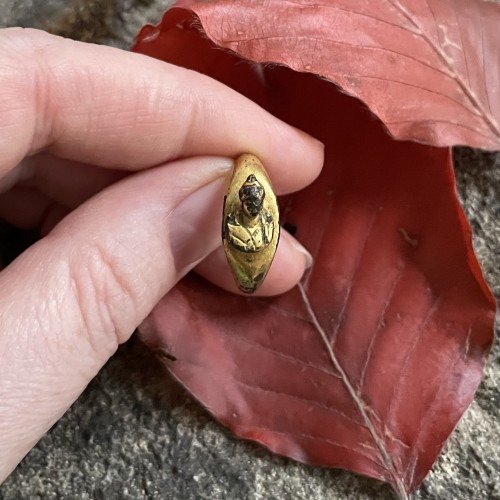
{"x": 312, "y": 149}
{"x": 297, "y": 248}
{"x": 289, "y": 264}
{"x": 303, "y": 161}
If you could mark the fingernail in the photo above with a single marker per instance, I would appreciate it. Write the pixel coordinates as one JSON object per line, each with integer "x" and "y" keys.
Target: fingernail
{"x": 299, "y": 248}
{"x": 310, "y": 138}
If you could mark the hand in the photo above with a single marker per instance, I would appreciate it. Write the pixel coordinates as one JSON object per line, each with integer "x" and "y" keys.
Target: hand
{"x": 111, "y": 154}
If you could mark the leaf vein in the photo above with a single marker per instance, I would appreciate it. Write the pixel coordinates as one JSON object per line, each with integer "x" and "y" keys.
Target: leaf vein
{"x": 349, "y": 12}
{"x": 343, "y": 43}
{"x": 410, "y": 468}
{"x": 379, "y": 326}
{"x": 353, "y": 280}
{"x": 328, "y": 441}
{"x": 464, "y": 52}
{"x": 302, "y": 399}
{"x": 396, "y": 395}
{"x": 484, "y": 80}
{"x": 327, "y": 212}
{"x": 489, "y": 119}
{"x": 437, "y": 120}
{"x": 282, "y": 355}
{"x": 426, "y": 89}
{"x": 433, "y": 17}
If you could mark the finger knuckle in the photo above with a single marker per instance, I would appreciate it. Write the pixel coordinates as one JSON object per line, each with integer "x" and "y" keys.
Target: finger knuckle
{"x": 105, "y": 295}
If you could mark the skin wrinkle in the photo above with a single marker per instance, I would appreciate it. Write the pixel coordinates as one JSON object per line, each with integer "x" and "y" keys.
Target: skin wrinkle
{"x": 76, "y": 293}
{"x": 97, "y": 319}
{"x": 42, "y": 100}
{"x": 36, "y": 344}
{"x": 168, "y": 94}
{"x": 116, "y": 284}
{"x": 15, "y": 120}
{"x": 28, "y": 74}
{"x": 67, "y": 118}
{"x": 193, "y": 108}
{"x": 13, "y": 336}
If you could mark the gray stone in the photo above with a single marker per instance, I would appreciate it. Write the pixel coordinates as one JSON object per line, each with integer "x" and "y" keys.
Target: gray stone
{"x": 135, "y": 434}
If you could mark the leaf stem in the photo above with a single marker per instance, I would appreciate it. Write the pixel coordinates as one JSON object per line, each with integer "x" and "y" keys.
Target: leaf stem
{"x": 397, "y": 481}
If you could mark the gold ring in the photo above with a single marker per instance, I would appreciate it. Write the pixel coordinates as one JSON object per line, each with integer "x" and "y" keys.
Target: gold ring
{"x": 250, "y": 223}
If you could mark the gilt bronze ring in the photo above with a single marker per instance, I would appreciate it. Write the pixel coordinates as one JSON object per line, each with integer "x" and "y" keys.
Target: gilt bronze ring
{"x": 250, "y": 223}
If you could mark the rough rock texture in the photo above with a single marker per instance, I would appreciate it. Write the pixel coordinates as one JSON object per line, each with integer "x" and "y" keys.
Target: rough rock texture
{"x": 135, "y": 434}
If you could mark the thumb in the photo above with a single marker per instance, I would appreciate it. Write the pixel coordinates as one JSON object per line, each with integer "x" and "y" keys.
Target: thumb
{"x": 70, "y": 299}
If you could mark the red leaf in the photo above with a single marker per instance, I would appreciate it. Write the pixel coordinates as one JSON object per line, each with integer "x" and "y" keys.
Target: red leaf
{"x": 370, "y": 364}
{"x": 430, "y": 69}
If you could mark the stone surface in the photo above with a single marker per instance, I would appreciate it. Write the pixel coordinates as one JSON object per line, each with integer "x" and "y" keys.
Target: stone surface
{"x": 135, "y": 434}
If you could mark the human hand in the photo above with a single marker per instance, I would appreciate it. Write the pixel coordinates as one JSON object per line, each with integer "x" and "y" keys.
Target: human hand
{"x": 109, "y": 153}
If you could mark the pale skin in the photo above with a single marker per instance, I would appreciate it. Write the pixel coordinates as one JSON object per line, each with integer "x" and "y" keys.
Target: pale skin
{"x": 123, "y": 162}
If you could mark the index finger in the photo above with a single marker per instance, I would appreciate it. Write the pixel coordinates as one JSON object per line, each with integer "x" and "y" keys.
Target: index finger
{"x": 116, "y": 109}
